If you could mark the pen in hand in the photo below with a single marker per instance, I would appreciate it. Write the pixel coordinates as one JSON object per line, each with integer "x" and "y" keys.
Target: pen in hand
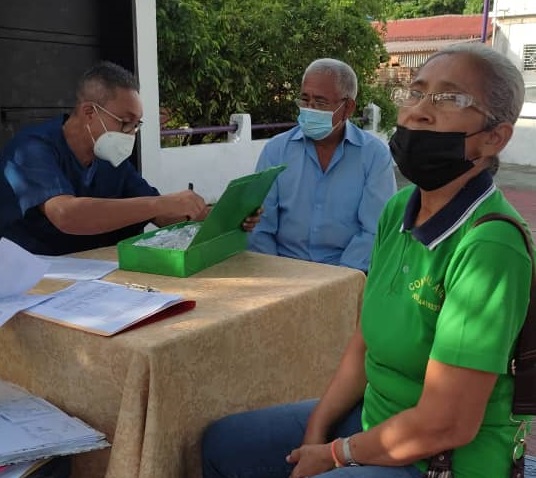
{"x": 190, "y": 188}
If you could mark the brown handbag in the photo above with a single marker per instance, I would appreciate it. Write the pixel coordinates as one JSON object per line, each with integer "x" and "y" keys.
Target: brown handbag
{"x": 522, "y": 367}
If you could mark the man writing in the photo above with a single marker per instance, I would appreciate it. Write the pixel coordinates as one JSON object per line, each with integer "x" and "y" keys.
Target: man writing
{"x": 70, "y": 176}
{"x": 325, "y": 206}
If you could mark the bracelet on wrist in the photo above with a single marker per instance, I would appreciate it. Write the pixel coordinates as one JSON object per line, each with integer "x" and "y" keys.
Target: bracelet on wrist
{"x": 336, "y": 461}
{"x": 347, "y": 453}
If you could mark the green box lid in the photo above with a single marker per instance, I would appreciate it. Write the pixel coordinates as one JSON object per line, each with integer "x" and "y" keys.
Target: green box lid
{"x": 242, "y": 197}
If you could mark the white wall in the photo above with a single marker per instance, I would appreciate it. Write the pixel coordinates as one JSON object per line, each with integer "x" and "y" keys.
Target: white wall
{"x": 522, "y": 147}
{"x": 210, "y": 166}
{"x": 517, "y": 22}
{"x": 515, "y": 7}
{"x": 512, "y": 36}
{"x": 148, "y": 76}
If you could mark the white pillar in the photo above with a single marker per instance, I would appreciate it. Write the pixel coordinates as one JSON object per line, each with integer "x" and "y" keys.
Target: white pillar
{"x": 145, "y": 27}
{"x": 243, "y": 132}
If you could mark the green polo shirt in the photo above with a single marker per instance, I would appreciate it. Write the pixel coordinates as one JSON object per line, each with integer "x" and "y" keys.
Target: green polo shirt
{"x": 452, "y": 293}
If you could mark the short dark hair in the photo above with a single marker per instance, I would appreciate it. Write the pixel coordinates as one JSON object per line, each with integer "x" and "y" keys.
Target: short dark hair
{"x": 98, "y": 84}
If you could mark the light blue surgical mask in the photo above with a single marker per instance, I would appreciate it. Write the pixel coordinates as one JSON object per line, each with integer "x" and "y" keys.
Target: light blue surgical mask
{"x": 317, "y": 124}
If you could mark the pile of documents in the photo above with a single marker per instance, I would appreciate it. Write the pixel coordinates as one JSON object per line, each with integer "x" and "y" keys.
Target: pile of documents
{"x": 105, "y": 308}
{"x": 32, "y": 428}
{"x": 90, "y": 304}
{"x": 21, "y": 271}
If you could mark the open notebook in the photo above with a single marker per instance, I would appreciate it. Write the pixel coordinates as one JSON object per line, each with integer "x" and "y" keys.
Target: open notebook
{"x": 105, "y": 308}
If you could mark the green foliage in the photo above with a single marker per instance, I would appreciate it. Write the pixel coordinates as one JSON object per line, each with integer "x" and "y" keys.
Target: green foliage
{"x": 476, "y": 6}
{"x": 429, "y": 8}
{"x": 218, "y": 57}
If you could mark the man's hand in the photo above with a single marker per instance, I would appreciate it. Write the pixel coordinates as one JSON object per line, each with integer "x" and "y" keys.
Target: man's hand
{"x": 310, "y": 460}
{"x": 181, "y": 206}
{"x": 251, "y": 221}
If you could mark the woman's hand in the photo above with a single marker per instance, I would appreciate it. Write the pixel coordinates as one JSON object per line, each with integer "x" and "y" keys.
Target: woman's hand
{"x": 310, "y": 460}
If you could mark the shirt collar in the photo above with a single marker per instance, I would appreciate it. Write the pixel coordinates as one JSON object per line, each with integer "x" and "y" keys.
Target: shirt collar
{"x": 452, "y": 216}
{"x": 353, "y": 135}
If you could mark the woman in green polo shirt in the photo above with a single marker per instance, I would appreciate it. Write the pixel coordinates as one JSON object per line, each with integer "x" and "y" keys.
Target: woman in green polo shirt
{"x": 426, "y": 370}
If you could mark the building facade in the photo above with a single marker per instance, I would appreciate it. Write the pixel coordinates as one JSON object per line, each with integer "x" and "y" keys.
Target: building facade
{"x": 515, "y": 36}
{"x": 410, "y": 42}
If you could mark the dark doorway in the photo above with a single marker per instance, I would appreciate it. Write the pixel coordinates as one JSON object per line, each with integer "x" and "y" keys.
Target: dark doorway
{"x": 46, "y": 45}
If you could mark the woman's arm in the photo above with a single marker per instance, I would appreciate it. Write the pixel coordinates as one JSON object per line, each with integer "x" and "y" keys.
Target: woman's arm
{"x": 345, "y": 390}
{"x": 448, "y": 415}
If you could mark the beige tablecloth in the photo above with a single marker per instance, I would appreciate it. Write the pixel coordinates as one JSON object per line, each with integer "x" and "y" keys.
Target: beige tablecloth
{"x": 265, "y": 330}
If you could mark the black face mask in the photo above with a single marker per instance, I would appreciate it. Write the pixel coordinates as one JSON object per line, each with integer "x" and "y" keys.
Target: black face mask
{"x": 430, "y": 159}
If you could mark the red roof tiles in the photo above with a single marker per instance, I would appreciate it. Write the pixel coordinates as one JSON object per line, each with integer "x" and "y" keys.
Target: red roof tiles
{"x": 434, "y": 28}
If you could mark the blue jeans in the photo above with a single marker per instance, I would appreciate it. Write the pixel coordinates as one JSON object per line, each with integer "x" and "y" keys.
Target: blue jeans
{"x": 255, "y": 444}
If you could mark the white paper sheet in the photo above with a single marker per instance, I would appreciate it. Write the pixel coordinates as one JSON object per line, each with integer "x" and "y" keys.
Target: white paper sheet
{"x": 20, "y": 270}
{"x": 71, "y": 268}
{"x": 103, "y": 307}
{"x": 9, "y": 391}
{"x": 25, "y": 408}
{"x": 31, "y": 428}
{"x": 9, "y": 306}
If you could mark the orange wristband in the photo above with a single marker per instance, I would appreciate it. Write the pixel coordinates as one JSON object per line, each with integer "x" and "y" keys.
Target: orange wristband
{"x": 338, "y": 464}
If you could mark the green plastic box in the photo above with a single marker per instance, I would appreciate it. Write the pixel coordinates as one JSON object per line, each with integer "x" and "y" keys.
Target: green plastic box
{"x": 219, "y": 237}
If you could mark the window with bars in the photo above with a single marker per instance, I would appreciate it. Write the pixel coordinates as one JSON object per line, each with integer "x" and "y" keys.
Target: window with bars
{"x": 529, "y": 57}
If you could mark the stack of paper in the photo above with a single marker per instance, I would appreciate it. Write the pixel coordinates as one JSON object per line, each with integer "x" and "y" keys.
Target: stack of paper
{"x": 106, "y": 308}
{"x": 32, "y": 428}
{"x": 74, "y": 268}
{"x": 91, "y": 305}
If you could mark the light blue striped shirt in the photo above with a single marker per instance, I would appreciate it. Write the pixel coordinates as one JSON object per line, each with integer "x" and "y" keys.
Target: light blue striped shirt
{"x": 330, "y": 216}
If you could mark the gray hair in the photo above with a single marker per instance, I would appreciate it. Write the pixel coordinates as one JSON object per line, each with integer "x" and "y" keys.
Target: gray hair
{"x": 345, "y": 77}
{"x": 98, "y": 84}
{"x": 502, "y": 82}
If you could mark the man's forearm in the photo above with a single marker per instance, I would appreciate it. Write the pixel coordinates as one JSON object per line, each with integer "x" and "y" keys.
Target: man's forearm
{"x": 162, "y": 221}
{"x": 87, "y": 216}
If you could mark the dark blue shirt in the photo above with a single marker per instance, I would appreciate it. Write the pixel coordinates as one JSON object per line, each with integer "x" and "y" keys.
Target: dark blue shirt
{"x": 39, "y": 165}
{"x": 9, "y": 206}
